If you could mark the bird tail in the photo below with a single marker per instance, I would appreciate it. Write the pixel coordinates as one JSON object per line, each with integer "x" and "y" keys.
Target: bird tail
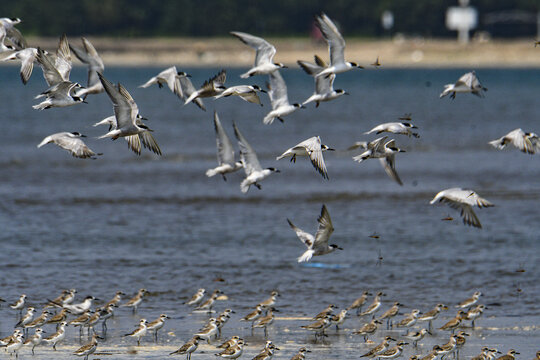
{"x": 448, "y": 88}
{"x": 41, "y": 106}
{"x": 45, "y": 141}
{"x": 211, "y": 172}
{"x": 497, "y": 144}
{"x": 268, "y": 119}
{"x": 245, "y": 75}
{"x": 244, "y": 186}
{"x": 306, "y": 256}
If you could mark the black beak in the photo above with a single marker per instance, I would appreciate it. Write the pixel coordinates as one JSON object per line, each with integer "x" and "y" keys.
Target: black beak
{"x": 83, "y": 135}
{"x": 85, "y": 102}
{"x": 330, "y": 149}
{"x": 264, "y": 91}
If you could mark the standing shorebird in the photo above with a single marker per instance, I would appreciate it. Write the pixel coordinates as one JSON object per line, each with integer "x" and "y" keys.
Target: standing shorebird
{"x": 271, "y": 300}
{"x": 139, "y": 332}
{"x": 383, "y": 346}
{"x": 358, "y": 303}
{"x": 432, "y": 314}
{"x": 390, "y": 313}
{"x": 375, "y": 305}
{"x": 454, "y": 323}
{"x": 266, "y": 321}
{"x": 196, "y": 298}
{"x": 87, "y": 349}
{"x": 188, "y": 348}
{"x": 368, "y": 329}
{"x": 58, "y": 336}
{"x": 135, "y": 301}
{"x": 470, "y": 301}
{"x": 157, "y": 324}
{"x": 209, "y": 303}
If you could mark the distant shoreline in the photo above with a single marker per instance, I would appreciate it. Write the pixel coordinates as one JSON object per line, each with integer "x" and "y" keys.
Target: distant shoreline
{"x": 229, "y": 52}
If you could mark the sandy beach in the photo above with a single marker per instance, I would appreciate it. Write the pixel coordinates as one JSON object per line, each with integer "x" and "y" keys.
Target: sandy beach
{"x": 229, "y": 52}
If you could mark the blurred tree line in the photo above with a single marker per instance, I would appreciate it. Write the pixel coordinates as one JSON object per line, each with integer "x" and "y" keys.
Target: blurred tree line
{"x": 150, "y": 18}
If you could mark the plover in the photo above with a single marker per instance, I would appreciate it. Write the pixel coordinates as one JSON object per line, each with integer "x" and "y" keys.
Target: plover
{"x": 383, "y": 346}
{"x": 233, "y": 352}
{"x": 327, "y": 311}
{"x": 230, "y": 342}
{"x": 209, "y": 303}
{"x": 270, "y": 301}
{"x": 468, "y": 303}
{"x": 416, "y": 336}
{"x": 139, "y": 332}
{"x": 359, "y": 302}
{"x": 318, "y": 327}
{"x": 58, "y": 336}
{"x": 188, "y": 348}
{"x": 19, "y": 304}
{"x": 339, "y": 318}
{"x": 266, "y": 321}
{"x": 27, "y": 318}
{"x": 301, "y": 355}
{"x": 390, "y": 313}
{"x": 35, "y": 339}
{"x": 409, "y": 319}
{"x": 453, "y": 323}
{"x": 135, "y": 301}
{"x": 374, "y": 306}
{"x": 196, "y": 298}
{"x": 312, "y": 148}
{"x": 157, "y": 324}
{"x": 253, "y": 169}
{"x": 209, "y": 330}
{"x": 475, "y": 313}
{"x": 368, "y": 329}
{"x": 432, "y": 314}
{"x": 264, "y": 55}
{"x": 463, "y": 200}
{"x": 393, "y": 352}
{"x": 510, "y": 355}
{"x": 87, "y": 349}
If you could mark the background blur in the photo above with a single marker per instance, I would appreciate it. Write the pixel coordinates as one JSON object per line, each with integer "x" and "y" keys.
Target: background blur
{"x": 499, "y": 18}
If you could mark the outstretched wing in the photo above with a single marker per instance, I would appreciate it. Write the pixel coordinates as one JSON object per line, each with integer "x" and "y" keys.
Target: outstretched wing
{"x": 247, "y": 154}
{"x": 305, "y": 237}
{"x": 325, "y": 227}
{"x": 336, "y": 43}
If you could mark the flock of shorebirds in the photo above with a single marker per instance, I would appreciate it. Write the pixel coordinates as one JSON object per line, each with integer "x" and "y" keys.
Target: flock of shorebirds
{"x": 129, "y": 124}
{"x": 71, "y": 314}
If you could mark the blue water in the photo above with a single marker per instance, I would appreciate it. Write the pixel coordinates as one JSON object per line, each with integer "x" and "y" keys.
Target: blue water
{"x": 125, "y": 222}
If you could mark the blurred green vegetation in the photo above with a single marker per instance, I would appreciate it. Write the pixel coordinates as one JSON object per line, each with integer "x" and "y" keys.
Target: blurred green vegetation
{"x": 266, "y": 18}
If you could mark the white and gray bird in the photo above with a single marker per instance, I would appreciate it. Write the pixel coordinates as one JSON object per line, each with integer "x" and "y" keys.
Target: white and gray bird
{"x": 468, "y": 83}
{"x": 317, "y": 245}
{"x": 89, "y": 56}
{"x": 125, "y": 109}
{"x": 324, "y": 85}
{"x": 211, "y": 87}
{"x": 245, "y": 92}
{"x": 56, "y": 67}
{"x": 254, "y": 171}
{"x": 463, "y": 200}
{"x": 313, "y": 148}
{"x": 403, "y": 128}
{"x": 386, "y": 152}
{"x": 60, "y": 95}
{"x": 70, "y": 141}
{"x": 264, "y": 56}
{"x": 3, "y": 47}
{"x": 27, "y": 57}
{"x": 225, "y": 152}
{"x": 135, "y": 142}
{"x": 12, "y": 33}
{"x": 277, "y": 91}
{"x": 526, "y": 142}
{"x": 336, "y": 47}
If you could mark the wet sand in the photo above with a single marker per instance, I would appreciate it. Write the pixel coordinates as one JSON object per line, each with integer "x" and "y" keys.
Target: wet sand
{"x": 230, "y": 52}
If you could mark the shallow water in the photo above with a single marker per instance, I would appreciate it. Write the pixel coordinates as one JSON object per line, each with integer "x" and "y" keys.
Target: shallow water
{"x": 125, "y": 222}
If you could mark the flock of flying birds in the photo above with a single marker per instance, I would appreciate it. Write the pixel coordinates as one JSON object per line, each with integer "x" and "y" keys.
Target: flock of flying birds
{"x": 127, "y": 122}
{"x": 72, "y": 314}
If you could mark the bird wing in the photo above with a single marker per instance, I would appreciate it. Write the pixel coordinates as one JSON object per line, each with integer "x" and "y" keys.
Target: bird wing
{"x": 247, "y": 154}
{"x": 121, "y": 102}
{"x": 149, "y": 142}
{"x": 325, "y": 84}
{"x": 313, "y": 147}
{"x": 76, "y": 146}
{"x": 89, "y": 56}
{"x": 63, "y": 58}
{"x": 134, "y": 143}
{"x": 304, "y": 236}
{"x": 50, "y": 73}
{"x": 186, "y": 89}
{"x": 325, "y": 227}
{"x": 277, "y": 90}
{"x": 466, "y": 80}
{"x": 16, "y": 38}
{"x": 336, "y": 43}
{"x": 265, "y": 50}
{"x": 215, "y": 82}
{"x": 225, "y": 149}
{"x": 389, "y": 165}
{"x": 519, "y": 140}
